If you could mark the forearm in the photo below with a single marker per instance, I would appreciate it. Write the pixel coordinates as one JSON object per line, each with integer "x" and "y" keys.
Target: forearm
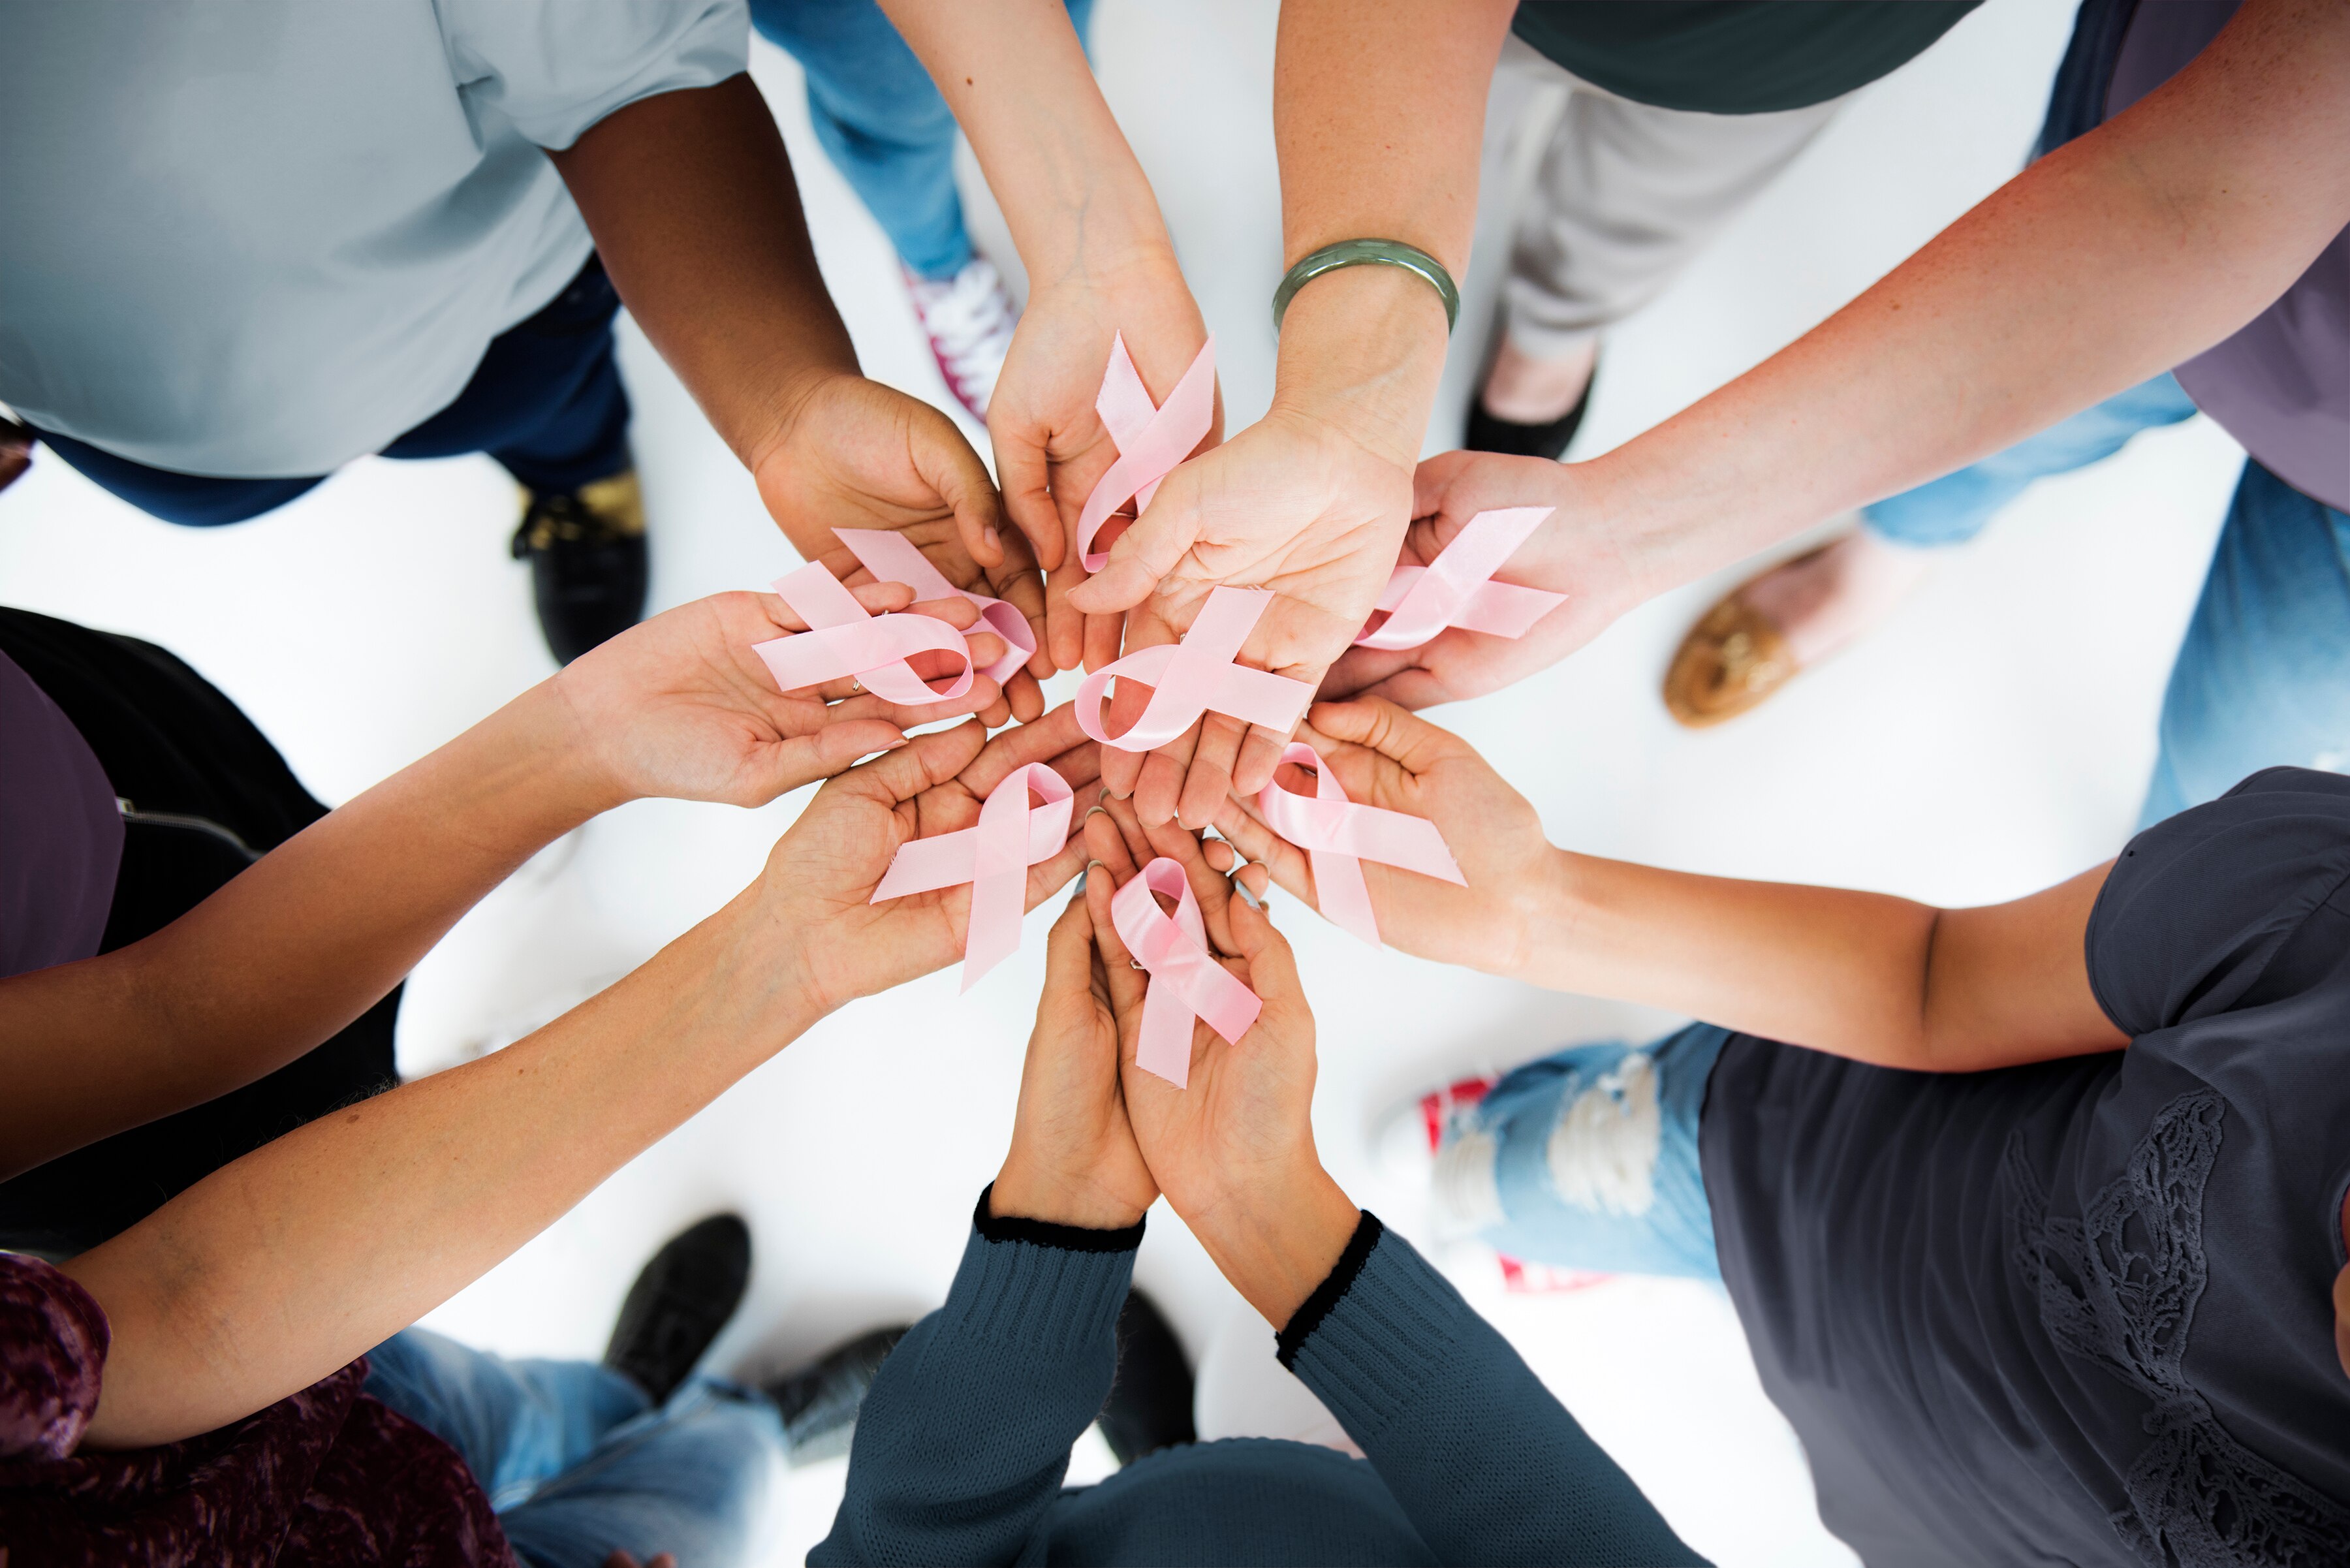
{"x": 1015, "y": 75}
{"x": 1276, "y": 1236}
{"x": 1379, "y": 120}
{"x": 292, "y": 948}
{"x": 1865, "y": 975}
{"x": 279, "y": 1269}
{"x": 691, "y": 200}
{"x": 2116, "y": 257}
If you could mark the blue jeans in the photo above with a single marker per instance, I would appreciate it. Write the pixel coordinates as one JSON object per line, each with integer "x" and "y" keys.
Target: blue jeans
{"x": 578, "y": 1462}
{"x": 545, "y": 402}
{"x": 881, "y": 119}
{"x": 1595, "y": 1156}
{"x": 2264, "y": 677}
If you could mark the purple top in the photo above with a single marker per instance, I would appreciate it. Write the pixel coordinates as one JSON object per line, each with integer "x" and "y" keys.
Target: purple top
{"x": 60, "y": 832}
{"x": 327, "y": 1477}
{"x": 2281, "y": 385}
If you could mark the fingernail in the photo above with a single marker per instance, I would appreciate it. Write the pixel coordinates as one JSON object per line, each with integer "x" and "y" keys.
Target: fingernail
{"x": 1096, "y": 811}
{"x": 1090, "y": 865}
{"x": 1104, "y": 798}
{"x": 901, "y": 740}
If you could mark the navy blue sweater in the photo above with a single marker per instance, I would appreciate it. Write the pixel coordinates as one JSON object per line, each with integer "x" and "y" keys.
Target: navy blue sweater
{"x": 962, "y": 1443}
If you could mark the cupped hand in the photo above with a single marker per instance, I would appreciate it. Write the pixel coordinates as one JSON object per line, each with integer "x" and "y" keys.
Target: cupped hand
{"x": 1051, "y": 448}
{"x": 1291, "y": 503}
{"x": 1233, "y": 1150}
{"x": 1074, "y": 1159}
{"x": 1385, "y": 757}
{"x": 1573, "y": 553}
{"x": 680, "y": 706}
{"x": 854, "y": 453}
{"x": 816, "y": 890}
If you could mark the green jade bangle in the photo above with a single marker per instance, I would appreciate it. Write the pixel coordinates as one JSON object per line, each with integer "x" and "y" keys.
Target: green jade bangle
{"x": 1369, "y": 252}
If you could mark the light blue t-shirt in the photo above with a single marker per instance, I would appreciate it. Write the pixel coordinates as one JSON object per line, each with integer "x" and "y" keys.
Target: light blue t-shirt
{"x": 253, "y": 238}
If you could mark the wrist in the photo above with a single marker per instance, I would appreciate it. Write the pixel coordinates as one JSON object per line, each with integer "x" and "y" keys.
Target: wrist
{"x": 1362, "y": 349}
{"x": 1277, "y": 1239}
{"x": 1546, "y": 920}
{"x": 766, "y": 438}
{"x": 530, "y": 765}
{"x": 1027, "y": 1189}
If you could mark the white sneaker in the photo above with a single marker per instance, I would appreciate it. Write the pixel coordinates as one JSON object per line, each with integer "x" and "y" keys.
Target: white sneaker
{"x": 969, "y": 319}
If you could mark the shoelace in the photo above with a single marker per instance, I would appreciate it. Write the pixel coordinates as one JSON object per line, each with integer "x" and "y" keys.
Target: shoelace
{"x": 970, "y": 317}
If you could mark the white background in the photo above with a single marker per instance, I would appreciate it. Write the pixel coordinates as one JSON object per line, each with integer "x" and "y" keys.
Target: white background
{"x": 1994, "y": 740}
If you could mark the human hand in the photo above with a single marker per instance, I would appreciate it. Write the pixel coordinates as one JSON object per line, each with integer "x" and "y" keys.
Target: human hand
{"x": 1233, "y": 1150}
{"x": 1291, "y": 503}
{"x": 816, "y": 890}
{"x": 680, "y": 706}
{"x": 1051, "y": 448}
{"x": 1385, "y": 757}
{"x": 1073, "y": 1158}
{"x": 853, "y": 453}
{"x": 1573, "y": 553}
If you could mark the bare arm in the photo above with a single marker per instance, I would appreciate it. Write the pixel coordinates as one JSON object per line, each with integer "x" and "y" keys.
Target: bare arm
{"x": 2118, "y": 256}
{"x": 1865, "y": 975}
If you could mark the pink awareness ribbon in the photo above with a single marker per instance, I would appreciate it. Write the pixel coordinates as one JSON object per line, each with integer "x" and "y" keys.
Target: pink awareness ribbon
{"x": 1185, "y": 982}
{"x": 845, "y": 641}
{"x": 891, "y": 557}
{"x": 1197, "y": 675}
{"x": 993, "y": 857}
{"x": 1457, "y": 588}
{"x": 1338, "y": 835}
{"x": 1151, "y": 437}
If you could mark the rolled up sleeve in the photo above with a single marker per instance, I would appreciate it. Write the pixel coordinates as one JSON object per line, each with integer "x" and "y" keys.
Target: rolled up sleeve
{"x": 553, "y": 67}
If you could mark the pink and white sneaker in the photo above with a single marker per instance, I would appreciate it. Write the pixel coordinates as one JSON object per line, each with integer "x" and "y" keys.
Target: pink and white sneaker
{"x": 969, "y": 319}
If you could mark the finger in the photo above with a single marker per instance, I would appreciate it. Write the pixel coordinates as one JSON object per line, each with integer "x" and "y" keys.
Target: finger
{"x": 1256, "y": 880}
{"x": 957, "y": 612}
{"x": 1051, "y": 736}
{"x": 1283, "y": 861}
{"x": 1081, "y": 766}
{"x": 1021, "y": 465}
{"x": 1260, "y": 753}
{"x": 1064, "y": 627}
{"x": 1127, "y": 983}
{"x": 787, "y": 765}
{"x": 1159, "y": 789}
{"x": 924, "y": 762}
{"x": 1121, "y": 771}
{"x": 1027, "y": 697}
{"x": 1106, "y": 845}
{"x": 1068, "y": 960}
{"x": 1048, "y": 878}
{"x": 1222, "y": 858}
{"x": 1101, "y": 638}
{"x": 1412, "y": 689}
{"x": 946, "y": 462}
{"x": 1380, "y": 725}
{"x": 1434, "y": 478}
{"x": 1360, "y": 668}
{"x": 1209, "y": 777}
{"x": 1272, "y": 966}
{"x": 877, "y": 599}
{"x": 1144, "y": 553}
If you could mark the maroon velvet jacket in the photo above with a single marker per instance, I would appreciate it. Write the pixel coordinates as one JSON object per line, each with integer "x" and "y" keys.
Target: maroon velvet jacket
{"x": 329, "y": 1476}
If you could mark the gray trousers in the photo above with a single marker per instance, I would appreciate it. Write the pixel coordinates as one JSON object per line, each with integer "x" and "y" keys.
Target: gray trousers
{"x": 1625, "y": 196}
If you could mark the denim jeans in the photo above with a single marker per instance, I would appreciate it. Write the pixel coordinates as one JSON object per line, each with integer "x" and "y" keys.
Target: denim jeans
{"x": 545, "y": 402}
{"x": 2264, "y": 677}
{"x": 881, "y": 119}
{"x": 1594, "y": 1158}
{"x": 578, "y": 1462}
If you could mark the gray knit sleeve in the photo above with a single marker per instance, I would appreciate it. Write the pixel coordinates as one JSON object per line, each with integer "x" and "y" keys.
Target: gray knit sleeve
{"x": 962, "y": 1444}
{"x": 1487, "y": 1463}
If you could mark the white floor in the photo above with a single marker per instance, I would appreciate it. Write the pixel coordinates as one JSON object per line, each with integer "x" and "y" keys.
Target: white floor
{"x": 1995, "y": 740}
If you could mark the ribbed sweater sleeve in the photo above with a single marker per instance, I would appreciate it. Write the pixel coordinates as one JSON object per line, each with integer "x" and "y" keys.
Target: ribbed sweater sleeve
{"x": 964, "y": 1439}
{"x": 1489, "y": 1465}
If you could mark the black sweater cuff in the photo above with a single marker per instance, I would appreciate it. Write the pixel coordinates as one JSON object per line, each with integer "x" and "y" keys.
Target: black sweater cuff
{"x": 1308, "y": 1317}
{"x": 1044, "y": 1233}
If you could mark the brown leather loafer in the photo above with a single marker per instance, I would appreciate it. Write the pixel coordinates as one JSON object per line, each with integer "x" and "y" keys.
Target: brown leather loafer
{"x": 1730, "y": 660}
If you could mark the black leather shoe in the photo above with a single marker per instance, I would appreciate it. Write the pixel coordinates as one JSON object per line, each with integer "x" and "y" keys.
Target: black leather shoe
{"x": 1150, "y": 1405}
{"x": 588, "y": 561}
{"x": 678, "y": 1303}
{"x": 819, "y": 1403}
{"x": 1488, "y": 433}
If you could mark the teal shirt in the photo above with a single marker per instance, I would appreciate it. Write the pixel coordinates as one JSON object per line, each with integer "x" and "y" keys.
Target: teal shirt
{"x": 1734, "y": 56}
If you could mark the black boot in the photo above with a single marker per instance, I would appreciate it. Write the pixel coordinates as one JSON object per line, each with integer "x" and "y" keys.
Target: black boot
{"x": 1150, "y": 1405}
{"x": 1488, "y": 433}
{"x": 589, "y": 566}
{"x": 819, "y": 1403}
{"x": 678, "y": 1303}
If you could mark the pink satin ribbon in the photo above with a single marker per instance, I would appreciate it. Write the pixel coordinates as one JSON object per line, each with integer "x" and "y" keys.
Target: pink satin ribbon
{"x": 1185, "y": 982}
{"x": 1457, "y": 588}
{"x": 891, "y": 557}
{"x": 993, "y": 857}
{"x": 1338, "y": 835}
{"x": 843, "y": 639}
{"x": 1197, "y": 675}
{"x": 1151, "y": 439}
